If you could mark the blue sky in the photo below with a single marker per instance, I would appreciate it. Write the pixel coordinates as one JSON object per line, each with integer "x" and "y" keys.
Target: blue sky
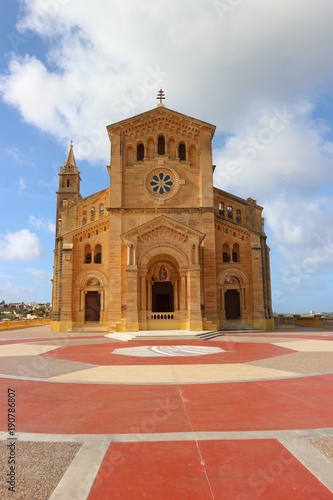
{"x": 260, "y": 70}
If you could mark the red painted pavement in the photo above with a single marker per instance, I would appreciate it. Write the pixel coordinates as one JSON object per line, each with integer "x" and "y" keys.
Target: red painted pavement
{"x": 102, "y": 354}
{"x": 48, "y": 407}
{"x": 228, "y": 470}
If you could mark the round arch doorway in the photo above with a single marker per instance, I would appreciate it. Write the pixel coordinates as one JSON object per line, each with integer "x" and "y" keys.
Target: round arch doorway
{"x": 92, "y": 300}
{"x": 232, "y": 304}
{"x": 163, "y": 297}
{"x": 92, "y": 307}
{"x": 233, "y": 284}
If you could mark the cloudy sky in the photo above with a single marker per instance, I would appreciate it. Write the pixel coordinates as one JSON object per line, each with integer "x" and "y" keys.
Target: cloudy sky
{"x": 260, "y": 70}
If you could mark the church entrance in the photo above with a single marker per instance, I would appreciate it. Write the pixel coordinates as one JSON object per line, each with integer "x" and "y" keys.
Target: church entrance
{"x": 92, "y": 306}
{"x": 232, "y": 304}
{"x": 162, "y": 297}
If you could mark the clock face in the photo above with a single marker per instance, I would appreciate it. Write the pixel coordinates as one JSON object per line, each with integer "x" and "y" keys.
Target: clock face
{"x": 162, "y": 182}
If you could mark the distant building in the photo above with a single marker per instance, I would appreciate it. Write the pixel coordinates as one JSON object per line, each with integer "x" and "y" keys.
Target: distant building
{"x": 160, "y": 248}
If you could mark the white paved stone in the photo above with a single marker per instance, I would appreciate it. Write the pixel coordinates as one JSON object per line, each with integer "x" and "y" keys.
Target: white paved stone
{"x": 174, "y": 374}
{"x": 167, "y": 350}
{"x": 25, "y": 349}
{"x": 78, "y": 480}
{"x": 314, "y": 461}
{"x": 308, "y": 345}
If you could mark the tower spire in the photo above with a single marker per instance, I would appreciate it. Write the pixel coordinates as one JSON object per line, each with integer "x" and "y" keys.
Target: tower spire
{"x": 70, "y": 160}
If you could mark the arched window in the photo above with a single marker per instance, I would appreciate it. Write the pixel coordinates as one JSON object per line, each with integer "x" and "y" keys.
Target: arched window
{"x": 238, "y": 216}
{"x": 84, "y": 217}
{"x": 161, "y": 145}
{"x": 235, "y": 253}
{"x": 98, "y": 254}
{"x": 229, "y": 212}
{"x": 68, "y": 183}
{"x": 182, "y": 151}
{"x": 226, "y": 253}
{"x": 92, "y": 213}
{"x": 221, "y": 208}
{"x": 101, "y": 210}
{"x": 140, "y": 152}
{"x": 87, "y": 254}
{"x": 193, "y": 155}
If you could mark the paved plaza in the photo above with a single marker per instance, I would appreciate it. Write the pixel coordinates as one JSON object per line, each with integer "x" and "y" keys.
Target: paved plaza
{"x": 243, "y": 416}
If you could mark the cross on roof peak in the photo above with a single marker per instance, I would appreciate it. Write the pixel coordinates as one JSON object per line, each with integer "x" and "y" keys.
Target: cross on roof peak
{"x": 161, "y": 97}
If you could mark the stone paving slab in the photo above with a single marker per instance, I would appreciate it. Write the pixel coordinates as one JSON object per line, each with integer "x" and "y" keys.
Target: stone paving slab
{"x": 25, "y": 349}
{"x": 230, "y": 439}
{"x": 308, "y": 345}
{"x": 229, "y": 470}
{"x": 174, "y": 374}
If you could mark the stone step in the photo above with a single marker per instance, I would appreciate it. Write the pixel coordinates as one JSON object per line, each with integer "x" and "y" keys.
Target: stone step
{"x": 88, "y": 328}
{"x": 209, "y": 335}
{"x": 161, "y": 338}
{"x": 235, "y": 325}
{"x": 124, "y": 337}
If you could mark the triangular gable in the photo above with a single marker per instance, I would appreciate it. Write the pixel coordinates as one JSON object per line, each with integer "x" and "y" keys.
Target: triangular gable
{"x": 144, "y": 231}
{"x": 160, "y": 112}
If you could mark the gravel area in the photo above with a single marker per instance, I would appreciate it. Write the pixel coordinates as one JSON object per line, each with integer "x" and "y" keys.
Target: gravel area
{"x": 39, "y": 468}
{"x": 324, "y": 445}
{"x": 299, "y": 362}
{"x": 39, "y": 366}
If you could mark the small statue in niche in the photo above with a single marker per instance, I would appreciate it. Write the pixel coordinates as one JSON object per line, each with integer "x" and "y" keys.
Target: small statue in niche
{"x": 163, "y": 273}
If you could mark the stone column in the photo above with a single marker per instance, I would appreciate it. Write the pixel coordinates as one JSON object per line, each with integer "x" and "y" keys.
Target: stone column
{"x": 175, "y": 295}
{"x": 66, "y": 318}
{"x": 132, "y": 318}
{"x": 81, "y": 300}
{"x": 150, "y": 296}
{"x": 143, "y": 294}
{"x": 183, "y": 292}
{"x": 194, "y": 308}
{"x": 196, "y": 254}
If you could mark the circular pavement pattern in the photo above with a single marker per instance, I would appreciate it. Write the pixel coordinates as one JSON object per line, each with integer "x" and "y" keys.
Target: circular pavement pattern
{"x": 167, "y": 350}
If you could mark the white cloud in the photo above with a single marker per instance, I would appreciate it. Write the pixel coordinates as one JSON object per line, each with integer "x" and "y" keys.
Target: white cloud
{"x": 258, "y": 70}
{"x": 21, "y": 184}
{"x": 211, "y": 65}
{"x": 278, "y": 149}
{"x": 40, "y": 274}
{"x": 42, "y": 223}
{"x": 15, "y": 153}
{"x": 10, "y": 292}
{"x": 20, "y": 245}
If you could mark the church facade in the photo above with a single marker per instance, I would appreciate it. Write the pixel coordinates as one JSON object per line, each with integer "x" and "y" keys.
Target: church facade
{"x": 160, "y": 248}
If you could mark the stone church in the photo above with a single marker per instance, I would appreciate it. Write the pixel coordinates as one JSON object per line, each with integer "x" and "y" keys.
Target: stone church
{"x": 161, "y": 248}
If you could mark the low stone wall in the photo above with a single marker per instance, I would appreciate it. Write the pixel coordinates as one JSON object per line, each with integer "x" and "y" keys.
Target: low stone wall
{"x": 26, "y": 323}
{"x": 284, "y": 322}
{"x": 328, "y": 324}
{"x": 309, "y": 322}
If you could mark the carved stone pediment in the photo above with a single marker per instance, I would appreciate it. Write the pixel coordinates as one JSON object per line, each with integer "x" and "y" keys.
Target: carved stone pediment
{"x": 161, "y": 229}
{"x": 161, "y": 118}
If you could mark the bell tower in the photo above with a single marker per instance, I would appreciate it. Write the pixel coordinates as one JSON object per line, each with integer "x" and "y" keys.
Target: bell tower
{"x": 68, "y": 195}
{"x": 69, "y": 184}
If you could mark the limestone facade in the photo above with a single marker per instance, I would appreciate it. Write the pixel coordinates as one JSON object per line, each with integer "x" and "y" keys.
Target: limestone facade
{"x": 160, "y": 248}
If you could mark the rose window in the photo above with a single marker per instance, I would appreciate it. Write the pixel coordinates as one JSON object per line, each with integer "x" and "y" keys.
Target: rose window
{"x": 161, "y": 183}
